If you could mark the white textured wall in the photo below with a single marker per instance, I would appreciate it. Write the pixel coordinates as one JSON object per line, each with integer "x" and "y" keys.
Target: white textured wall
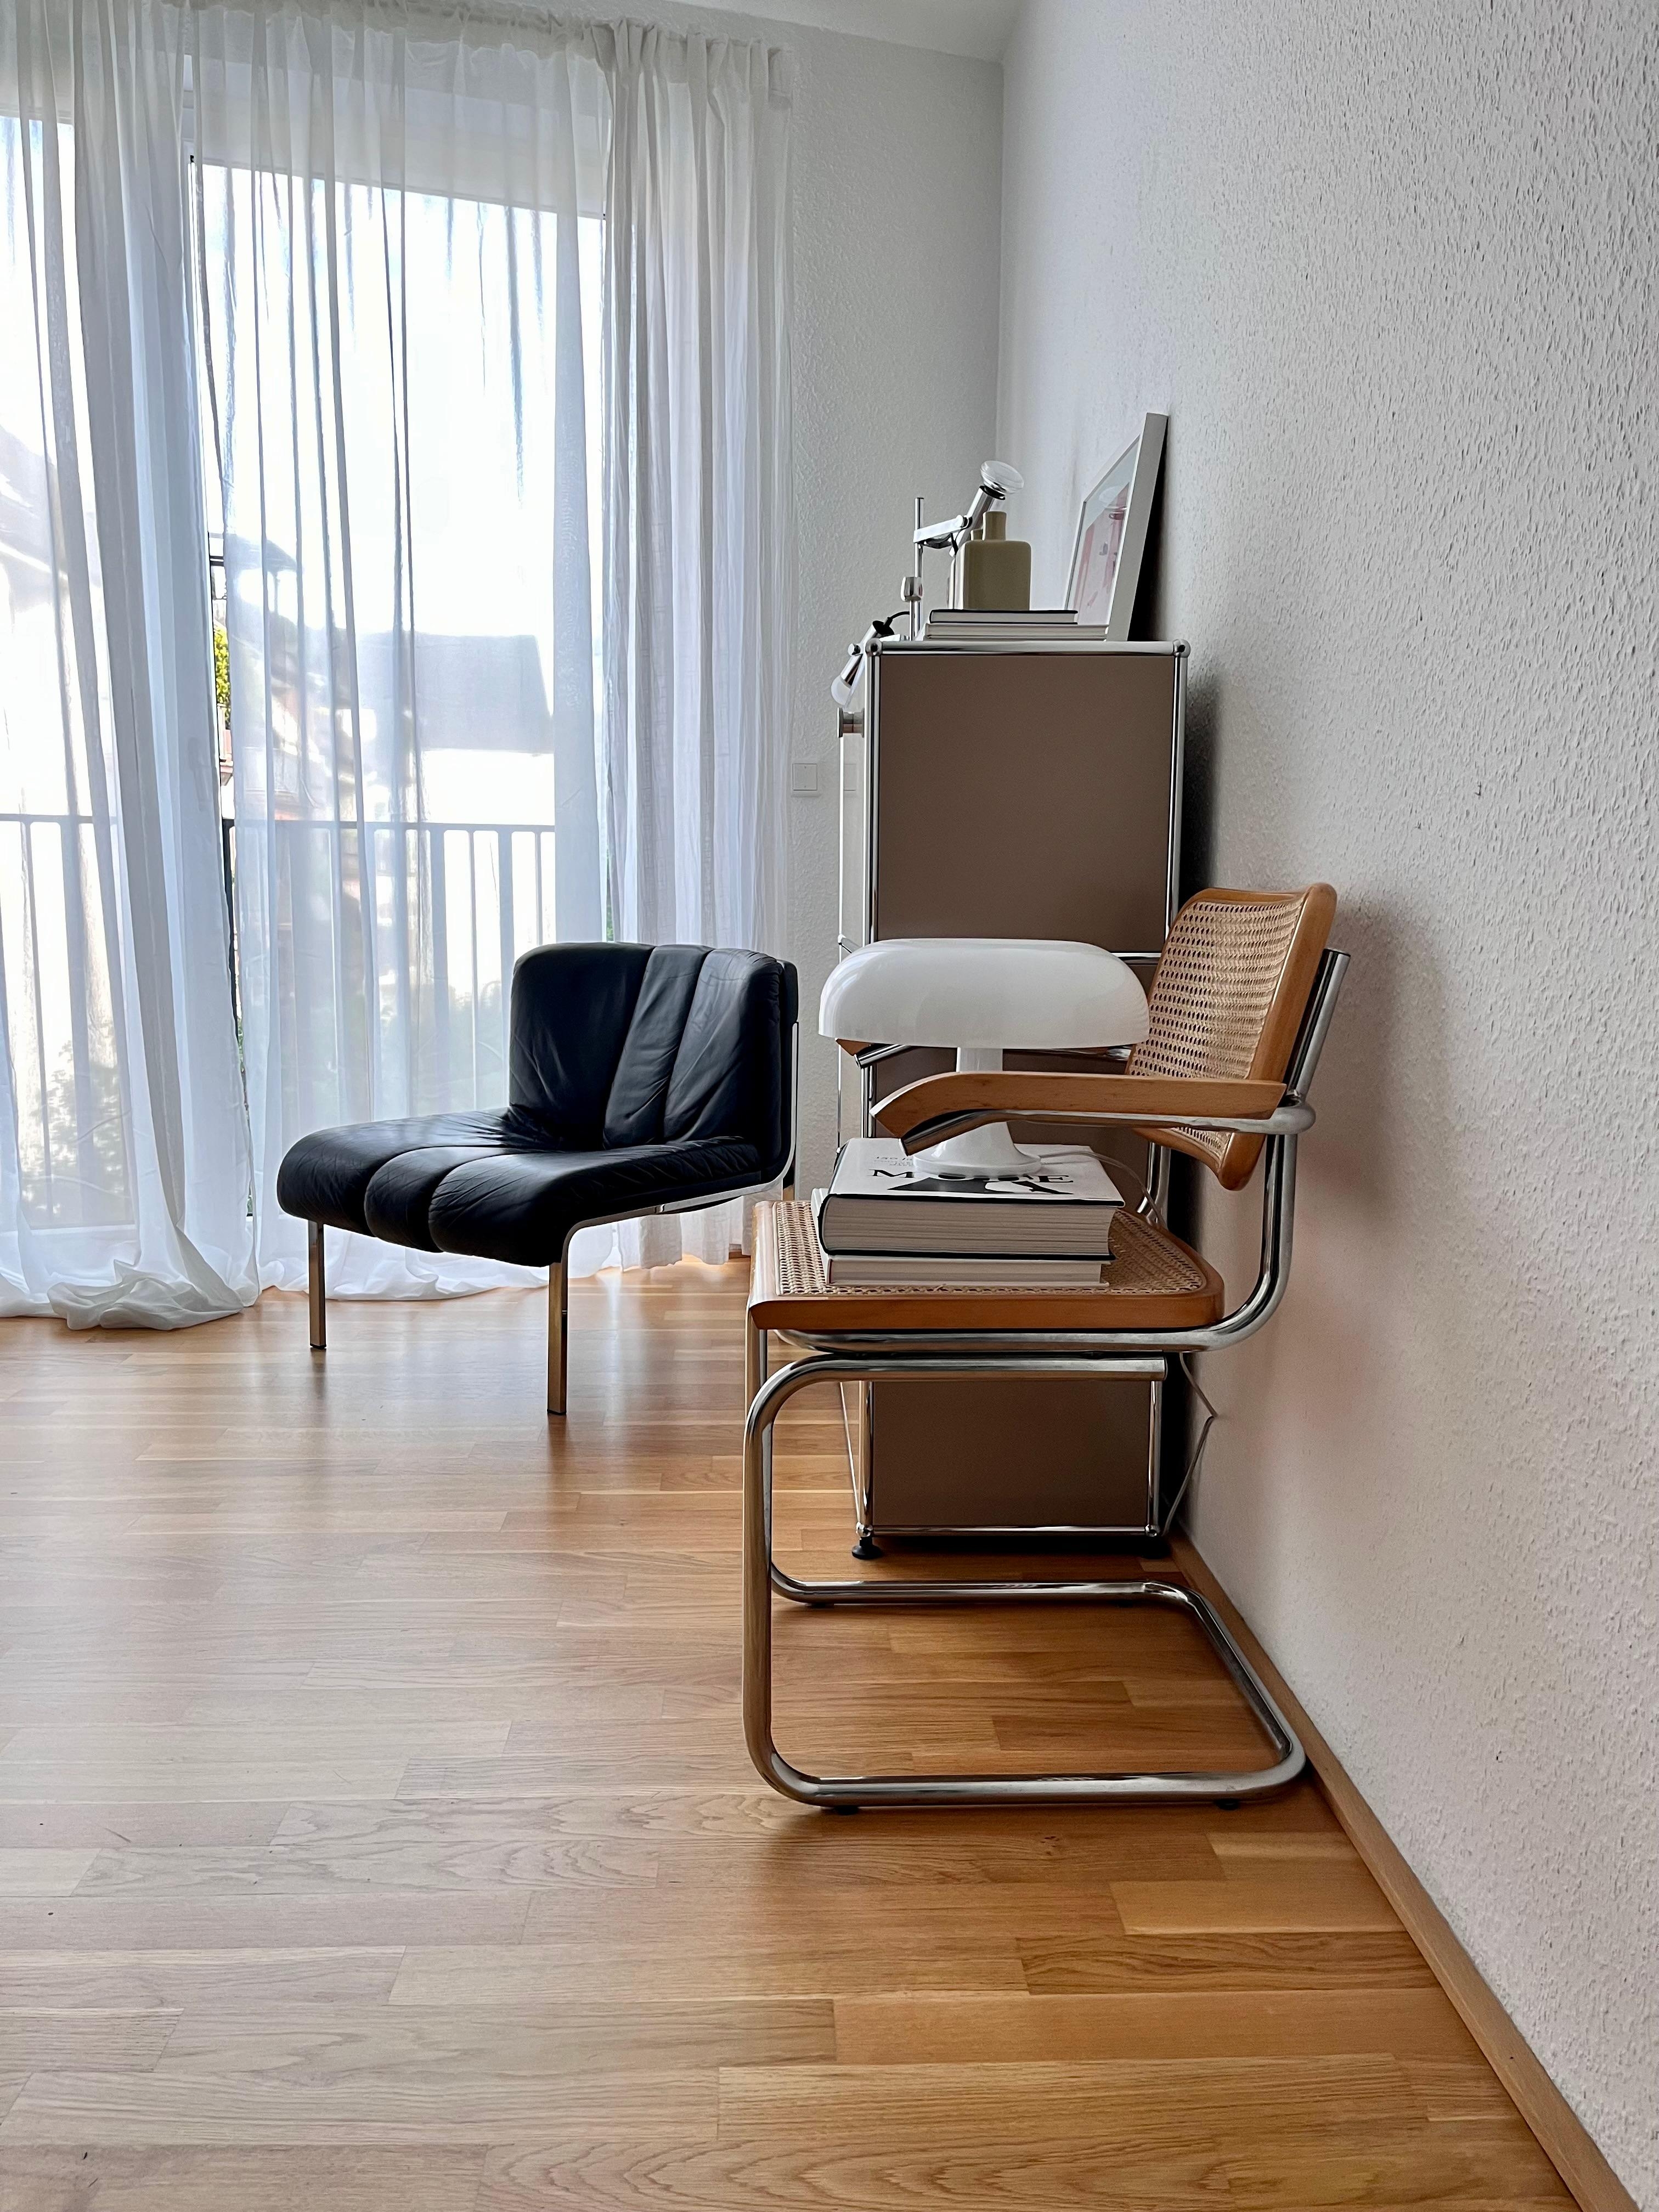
{"x": 1392, "y": 272}
{"x": 898, "y": 202}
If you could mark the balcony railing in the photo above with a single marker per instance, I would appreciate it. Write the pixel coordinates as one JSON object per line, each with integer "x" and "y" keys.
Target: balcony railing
{"x": 485, "y": 889}
{"x": 468, "y": 871}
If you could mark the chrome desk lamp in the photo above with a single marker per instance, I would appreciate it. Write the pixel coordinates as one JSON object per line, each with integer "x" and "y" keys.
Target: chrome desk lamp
{"x": 996, "y": 480}
{"x": 983, "y": 995}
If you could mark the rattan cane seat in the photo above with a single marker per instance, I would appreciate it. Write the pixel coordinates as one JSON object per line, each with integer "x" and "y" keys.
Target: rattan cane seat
{"x": 1154, "y": 1281}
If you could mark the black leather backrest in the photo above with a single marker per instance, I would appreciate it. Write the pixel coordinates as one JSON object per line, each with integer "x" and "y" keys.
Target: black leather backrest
{"x": 730, "y": 1075}
{"x": 572, "y": 1005}
{"x": 639, "y": 1090}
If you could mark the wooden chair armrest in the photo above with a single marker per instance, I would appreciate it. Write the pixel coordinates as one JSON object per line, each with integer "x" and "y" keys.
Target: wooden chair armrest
{"x": 968, "y": 1099}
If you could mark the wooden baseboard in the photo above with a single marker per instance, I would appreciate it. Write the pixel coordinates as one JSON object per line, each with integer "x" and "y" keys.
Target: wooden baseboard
{"x": 1594, "y": 2183}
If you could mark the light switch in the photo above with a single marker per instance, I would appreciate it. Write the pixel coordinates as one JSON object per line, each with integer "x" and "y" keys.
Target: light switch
{"x": 804, "y": 779}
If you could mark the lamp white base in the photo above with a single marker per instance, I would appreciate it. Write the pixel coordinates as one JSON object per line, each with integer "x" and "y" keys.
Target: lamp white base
{"x": 987, "y": 1151}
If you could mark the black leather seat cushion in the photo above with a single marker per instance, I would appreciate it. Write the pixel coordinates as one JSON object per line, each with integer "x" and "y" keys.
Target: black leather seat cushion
{"x": 637, "y": 1075}
{"x": 522, "y": 1205}
{"x": 325, "y": 1176}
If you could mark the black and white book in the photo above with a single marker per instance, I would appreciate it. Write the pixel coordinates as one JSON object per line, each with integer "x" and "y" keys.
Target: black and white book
{"x": 880, "y": 1201}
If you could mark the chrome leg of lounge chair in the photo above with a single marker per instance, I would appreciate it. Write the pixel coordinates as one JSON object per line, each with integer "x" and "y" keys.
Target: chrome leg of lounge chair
{"x": 754, "y": 1370}
{"x": 317, "y": 1287}
{"x": 558, "y": 1331}
{"x": 761, "y": 1576}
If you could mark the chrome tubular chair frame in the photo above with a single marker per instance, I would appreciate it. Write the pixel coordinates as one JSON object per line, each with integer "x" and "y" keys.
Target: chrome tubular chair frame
{"x": 558, "y": 1275}
{"x": 761, "y": 1576}
{"x": 866, "y": 1356}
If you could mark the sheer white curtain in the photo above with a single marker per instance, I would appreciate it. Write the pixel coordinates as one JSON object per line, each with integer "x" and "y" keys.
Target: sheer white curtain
{"x": 408, "y": 227}
{"x": 400, "y": 244}
{"x": 123, "y": 1158}
{"x": 699, "y": 522}
{"x": 494, "y": 336}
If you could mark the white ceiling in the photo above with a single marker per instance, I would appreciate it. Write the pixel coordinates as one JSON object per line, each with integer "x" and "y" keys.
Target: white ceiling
{"x": 979, "y": 27}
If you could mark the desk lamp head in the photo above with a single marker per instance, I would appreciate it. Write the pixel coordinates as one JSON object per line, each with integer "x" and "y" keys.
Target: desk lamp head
{"x": 983, "y": 996}
{"x": 996, "y": 480}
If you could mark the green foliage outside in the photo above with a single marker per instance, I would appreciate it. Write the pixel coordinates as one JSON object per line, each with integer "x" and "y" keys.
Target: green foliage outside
{"x": 222, "y": 672}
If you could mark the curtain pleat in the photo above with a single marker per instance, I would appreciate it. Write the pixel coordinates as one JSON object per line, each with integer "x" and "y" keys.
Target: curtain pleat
{"x": 123, "y": 1155}
{"x": 699, "y": 523}
{"x": 400, "y": 237}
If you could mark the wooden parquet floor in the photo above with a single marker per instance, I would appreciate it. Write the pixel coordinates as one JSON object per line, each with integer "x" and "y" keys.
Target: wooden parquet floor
{"x": 376, "y": 1833}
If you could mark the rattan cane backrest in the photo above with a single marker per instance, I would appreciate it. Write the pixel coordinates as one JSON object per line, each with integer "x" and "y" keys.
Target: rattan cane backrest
{"x": 1231, "y": 986}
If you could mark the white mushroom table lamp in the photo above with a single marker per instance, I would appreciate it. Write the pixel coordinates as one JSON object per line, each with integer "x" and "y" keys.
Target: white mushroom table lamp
{"x": 984, "y": 996}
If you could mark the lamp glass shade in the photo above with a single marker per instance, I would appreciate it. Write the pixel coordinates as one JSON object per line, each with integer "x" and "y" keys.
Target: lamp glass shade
{"x": 1016, "y": 994}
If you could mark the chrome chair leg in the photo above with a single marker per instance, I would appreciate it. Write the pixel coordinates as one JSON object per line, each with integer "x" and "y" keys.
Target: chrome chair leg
{"x": 864, "y": 1543}
{"x": 754, "y": 1366}
{"x": 761, "y": 1576}
{"x": 558, "y": 1332}
{"x": 316, "y": 1285}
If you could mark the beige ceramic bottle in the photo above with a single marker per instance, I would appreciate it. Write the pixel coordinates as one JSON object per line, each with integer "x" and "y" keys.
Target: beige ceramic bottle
{"x": 996, "y": 569}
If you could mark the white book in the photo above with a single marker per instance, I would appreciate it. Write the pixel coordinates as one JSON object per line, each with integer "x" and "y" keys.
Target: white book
{"x": 1014, "y": 629}
{"x": 991, "y": 617}
{"x": 878, "y": 1270}
{"x": 880, "y": 1201}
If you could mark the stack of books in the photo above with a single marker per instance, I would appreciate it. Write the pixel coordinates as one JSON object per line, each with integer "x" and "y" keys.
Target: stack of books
{"x": 1011, "y": 625}
{"x": 886, "y": 1220}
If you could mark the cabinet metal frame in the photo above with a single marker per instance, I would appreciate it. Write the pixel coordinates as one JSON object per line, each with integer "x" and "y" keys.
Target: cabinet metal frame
{"x": 866, "y": 729}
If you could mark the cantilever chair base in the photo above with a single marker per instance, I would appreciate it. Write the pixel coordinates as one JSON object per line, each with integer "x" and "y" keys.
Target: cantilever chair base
{"x": 763, "y": 1577}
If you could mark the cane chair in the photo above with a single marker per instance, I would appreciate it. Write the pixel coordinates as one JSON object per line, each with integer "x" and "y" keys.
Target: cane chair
{"x": 1239, "y": 1007}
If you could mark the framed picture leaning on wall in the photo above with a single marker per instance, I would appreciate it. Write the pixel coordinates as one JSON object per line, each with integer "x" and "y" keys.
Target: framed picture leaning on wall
{"x": 1111, "y": 533}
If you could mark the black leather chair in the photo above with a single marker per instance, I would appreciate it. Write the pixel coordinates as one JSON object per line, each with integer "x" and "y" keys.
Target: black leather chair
{"x": 642, "y": 1079}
